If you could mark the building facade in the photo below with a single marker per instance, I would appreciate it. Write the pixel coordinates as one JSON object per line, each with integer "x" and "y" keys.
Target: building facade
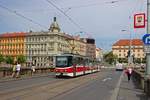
{"x": 40, "y": 48}
{"x": 99, "y": 54}
{"x": 121, "y": 48}
{"x": 90, "y": 47}
{"x": 12, "y": 44}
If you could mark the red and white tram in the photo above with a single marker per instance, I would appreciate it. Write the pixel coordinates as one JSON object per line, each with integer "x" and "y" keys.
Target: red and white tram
{"x": 74, "y": 65}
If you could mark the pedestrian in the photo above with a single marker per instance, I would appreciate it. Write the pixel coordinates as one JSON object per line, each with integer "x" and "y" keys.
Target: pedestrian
{"x": 14, "y": 70}
{"x": 32, "y": 69}
{"x": 129, "y": 73}
{"x": 18, "y": 68}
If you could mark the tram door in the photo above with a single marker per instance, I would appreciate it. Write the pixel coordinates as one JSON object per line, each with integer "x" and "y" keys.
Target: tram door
{"x": 74, "y": 60}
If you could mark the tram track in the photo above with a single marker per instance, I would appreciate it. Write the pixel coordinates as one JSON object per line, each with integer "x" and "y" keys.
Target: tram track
{"x": 50, "y": 90}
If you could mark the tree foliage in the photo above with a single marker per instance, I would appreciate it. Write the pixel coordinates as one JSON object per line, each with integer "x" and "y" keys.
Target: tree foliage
{"x": 110, "y": 57}
{"x": 1, "y": 58}
{"x": 123, "y": 60}
{"x": 21, "y": 59}
{"x": 9, "y": 59}
{"x": 138, "y": 60}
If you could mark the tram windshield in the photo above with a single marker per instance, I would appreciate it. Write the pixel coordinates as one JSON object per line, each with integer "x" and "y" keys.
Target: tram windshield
{"x": 63, "y": 61}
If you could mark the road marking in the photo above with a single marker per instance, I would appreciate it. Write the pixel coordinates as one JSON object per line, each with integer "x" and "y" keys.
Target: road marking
{"x": 106, "y": 79}
{"x": 116, "y": 90}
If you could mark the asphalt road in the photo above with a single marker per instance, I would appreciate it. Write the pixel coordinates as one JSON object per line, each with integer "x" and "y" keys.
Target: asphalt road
{"x": 14, "y": 85}
{"x": 97, "y": 86}
{"x": 102, "y": 88}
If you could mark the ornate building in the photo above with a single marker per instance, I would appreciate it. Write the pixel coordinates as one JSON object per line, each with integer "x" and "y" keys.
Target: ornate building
{"x": 41, "y": 47}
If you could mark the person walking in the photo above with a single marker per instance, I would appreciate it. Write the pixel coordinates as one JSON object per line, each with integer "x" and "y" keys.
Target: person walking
{"x": 14, "y": 70}
{"x": 129, "y": 73}
{"x": 32, "y": 69}
{"x": 18, "y": 68}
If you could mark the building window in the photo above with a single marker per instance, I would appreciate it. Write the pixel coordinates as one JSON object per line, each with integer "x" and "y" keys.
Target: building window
{"x": 124, "y": 54}
{"x": 119, "y": 55}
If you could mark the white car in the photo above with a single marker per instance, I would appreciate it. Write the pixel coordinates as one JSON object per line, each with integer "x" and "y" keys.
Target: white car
{"x": 119, "y": 67}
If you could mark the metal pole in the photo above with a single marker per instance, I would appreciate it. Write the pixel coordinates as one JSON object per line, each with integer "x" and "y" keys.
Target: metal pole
{"x": 129, "y": 59}
{"x": 148, "y": 31}
{"x": 130, "y": 46}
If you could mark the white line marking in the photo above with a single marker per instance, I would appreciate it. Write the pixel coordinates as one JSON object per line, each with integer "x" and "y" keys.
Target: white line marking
{"x": 116, "y": 90}
{"x": 106, "y": 79}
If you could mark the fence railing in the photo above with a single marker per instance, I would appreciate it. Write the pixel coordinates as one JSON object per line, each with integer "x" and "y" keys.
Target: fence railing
{"x": 142, "y": 80}
{"x": 7, "y": 71}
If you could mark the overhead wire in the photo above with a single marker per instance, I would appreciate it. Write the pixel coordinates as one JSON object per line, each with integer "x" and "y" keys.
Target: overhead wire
{"x": 22, "y": 16}
{"x": 77, "y": 25}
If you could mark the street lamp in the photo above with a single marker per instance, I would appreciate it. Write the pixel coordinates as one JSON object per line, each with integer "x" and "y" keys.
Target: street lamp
{"x": 130, "y": 58}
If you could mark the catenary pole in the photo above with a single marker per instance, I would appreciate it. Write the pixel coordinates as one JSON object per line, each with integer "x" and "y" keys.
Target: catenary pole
{"x": 148, "y": 32}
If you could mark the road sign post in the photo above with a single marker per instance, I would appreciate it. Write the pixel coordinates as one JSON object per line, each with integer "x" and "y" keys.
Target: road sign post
{"x": 146, "y": 40}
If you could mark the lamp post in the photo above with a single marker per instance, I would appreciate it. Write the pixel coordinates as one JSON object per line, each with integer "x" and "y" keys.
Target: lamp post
{"x": 130, "y": 58}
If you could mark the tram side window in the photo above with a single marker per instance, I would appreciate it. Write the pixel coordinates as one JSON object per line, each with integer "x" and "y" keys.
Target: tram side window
{"x": 74, "y": 60}
{"x": 78, "y": 61}
{"x": 70, "y": 62}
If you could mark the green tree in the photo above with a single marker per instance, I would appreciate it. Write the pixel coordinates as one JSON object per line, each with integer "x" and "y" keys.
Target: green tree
{"x": 9, "y": 59}
{"x": 1, "y": 58}
{"x": 21, "y": 59}
{"x": 138, "y": 60}
{"x": 110, "y": 57}
{"x": 123, "y": 60}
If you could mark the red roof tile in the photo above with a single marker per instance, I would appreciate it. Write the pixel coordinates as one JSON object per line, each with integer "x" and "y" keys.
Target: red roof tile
{"x": 14, "y": 34}
{"x": 126, "y": 42}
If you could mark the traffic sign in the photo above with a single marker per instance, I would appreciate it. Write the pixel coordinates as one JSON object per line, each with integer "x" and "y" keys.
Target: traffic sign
{"x": 147, "y": 49}
{"x": 146, "y": 39}
{"x": 139, "y": 20}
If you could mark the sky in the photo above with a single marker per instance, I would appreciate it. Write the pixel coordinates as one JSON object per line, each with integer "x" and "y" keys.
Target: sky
{"x": 102, "y": 20}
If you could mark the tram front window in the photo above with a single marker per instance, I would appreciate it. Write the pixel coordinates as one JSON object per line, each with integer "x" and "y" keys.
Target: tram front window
{"x": 61, "y": 62}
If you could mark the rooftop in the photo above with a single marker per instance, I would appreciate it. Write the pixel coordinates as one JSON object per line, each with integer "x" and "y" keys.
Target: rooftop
{"x": 126, "y": 42}
{"x": 14, "y": 34}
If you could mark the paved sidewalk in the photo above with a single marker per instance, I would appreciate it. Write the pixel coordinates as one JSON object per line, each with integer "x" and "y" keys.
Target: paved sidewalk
{"x": 130, "y": 90}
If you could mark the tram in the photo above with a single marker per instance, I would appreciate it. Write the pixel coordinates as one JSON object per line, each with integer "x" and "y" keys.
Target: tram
{"x": 73, "y": 65}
